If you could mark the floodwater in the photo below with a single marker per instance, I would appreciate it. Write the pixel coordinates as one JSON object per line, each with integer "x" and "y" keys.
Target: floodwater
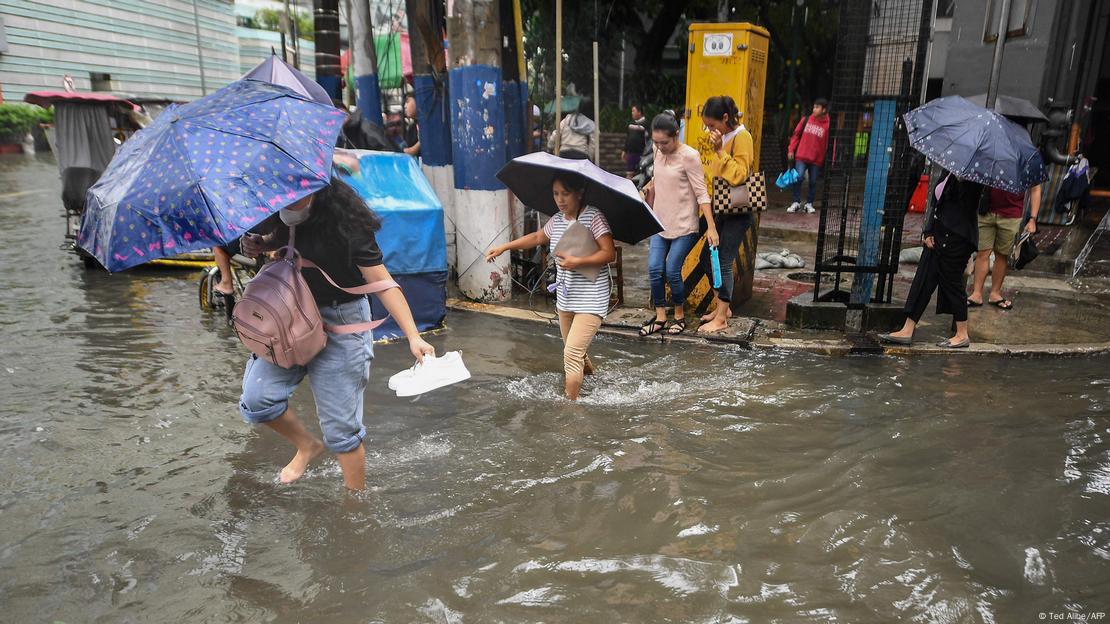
{"x": 690, "y": 485}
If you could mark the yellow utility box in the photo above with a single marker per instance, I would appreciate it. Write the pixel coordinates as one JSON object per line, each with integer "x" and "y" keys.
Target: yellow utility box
{"x": 724, "y": 59}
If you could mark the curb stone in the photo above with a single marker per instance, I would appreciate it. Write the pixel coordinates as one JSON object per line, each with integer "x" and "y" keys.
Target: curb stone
{"x": 835, "y": 347}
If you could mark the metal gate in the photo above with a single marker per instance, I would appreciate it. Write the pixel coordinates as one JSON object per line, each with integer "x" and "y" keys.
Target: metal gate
{"x": 871, "y": 170}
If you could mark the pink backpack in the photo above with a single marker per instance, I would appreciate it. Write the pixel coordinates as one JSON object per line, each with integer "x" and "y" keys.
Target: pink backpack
{"x": 277, "y": 318}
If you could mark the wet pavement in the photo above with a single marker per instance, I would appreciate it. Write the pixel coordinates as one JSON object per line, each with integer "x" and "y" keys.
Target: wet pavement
{"x": 689, "y": 485}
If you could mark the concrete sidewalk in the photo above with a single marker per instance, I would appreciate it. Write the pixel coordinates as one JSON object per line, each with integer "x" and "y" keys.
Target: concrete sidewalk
{"x": 1049, "y": 317}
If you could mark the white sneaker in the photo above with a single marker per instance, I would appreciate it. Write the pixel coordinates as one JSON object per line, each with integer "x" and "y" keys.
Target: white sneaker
{"x": 409, "y": 373}
{"x": 809, "y": 207}
{"x": 794, "y": 207}
{"x": 433, "y": 373}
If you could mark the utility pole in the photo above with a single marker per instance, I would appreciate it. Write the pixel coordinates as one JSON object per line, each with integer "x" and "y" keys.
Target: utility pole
{"x": 999, "y": 48}
{"x": 326, "y": 26}
{"x": 433, "y": 113}
{"x": 200, "y": 50}
{"x": 479, "y": 146}
{"x": 558, "y": 71}
{"x": 369, "y": 99}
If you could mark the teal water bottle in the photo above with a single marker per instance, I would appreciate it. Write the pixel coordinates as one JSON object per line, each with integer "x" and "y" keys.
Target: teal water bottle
{"x": 715, "y": 260}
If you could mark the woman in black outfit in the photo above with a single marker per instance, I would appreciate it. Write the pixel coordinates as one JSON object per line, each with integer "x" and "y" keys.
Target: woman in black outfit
{"x": 951, "y": 237}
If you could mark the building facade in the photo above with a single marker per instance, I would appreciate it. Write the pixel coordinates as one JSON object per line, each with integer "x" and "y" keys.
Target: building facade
{"x": 148, "y": 48}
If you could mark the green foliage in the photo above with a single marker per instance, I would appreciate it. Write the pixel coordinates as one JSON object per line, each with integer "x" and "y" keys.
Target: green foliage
{"x": 16, "y": 120}
{"x": 270, "y": 19}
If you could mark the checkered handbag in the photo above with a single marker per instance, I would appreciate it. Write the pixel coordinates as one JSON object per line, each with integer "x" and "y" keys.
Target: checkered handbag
{"x": 751, "y": 196}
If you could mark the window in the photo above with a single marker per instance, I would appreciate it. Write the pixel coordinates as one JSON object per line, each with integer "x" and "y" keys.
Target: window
{"x": 1021, "y": 12}
{"x": 946, "y": 8}
{"x": 100, "y": 82}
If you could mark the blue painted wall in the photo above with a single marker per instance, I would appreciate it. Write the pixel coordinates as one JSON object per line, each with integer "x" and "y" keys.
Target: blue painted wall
{"x": 369, "y": 98}
{"x": 433, "y": 115}
{"x": 479, "y": 147}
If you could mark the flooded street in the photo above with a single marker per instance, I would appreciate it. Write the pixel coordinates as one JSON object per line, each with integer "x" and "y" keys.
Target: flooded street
{"x": 689, "y": 485}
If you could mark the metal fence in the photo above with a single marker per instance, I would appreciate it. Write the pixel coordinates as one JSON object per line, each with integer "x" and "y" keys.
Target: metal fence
{"x": 870, "y": 169}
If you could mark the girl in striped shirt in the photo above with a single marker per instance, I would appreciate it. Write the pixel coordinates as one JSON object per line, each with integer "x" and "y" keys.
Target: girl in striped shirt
{"x": 581, "y": 303}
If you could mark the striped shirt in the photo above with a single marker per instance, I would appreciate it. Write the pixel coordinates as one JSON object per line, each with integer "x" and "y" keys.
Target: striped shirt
{"x": 574, "y": 292}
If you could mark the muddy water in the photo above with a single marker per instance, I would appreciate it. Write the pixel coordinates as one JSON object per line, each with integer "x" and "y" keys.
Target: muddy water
{"x": 688, "y": 486}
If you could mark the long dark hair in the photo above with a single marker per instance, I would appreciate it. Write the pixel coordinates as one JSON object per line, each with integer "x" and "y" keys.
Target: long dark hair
{"x": 718, "y": 106}
{"x": 339, "y": 214}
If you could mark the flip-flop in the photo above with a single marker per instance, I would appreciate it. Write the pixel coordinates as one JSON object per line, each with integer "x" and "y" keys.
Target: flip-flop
{"x": 676, "y": 327}
{"x": 1003, "y": 304}
{"x": 974, "y": 304}
{"x": 653, "y": 326}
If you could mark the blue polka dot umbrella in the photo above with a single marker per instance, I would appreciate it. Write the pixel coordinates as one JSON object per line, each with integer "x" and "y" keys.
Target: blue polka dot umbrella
{"x": 976, "y": 144}
{"x": 206, "y": 172}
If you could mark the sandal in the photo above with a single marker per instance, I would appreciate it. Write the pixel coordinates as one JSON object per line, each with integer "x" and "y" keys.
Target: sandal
{"x": 1003, "y": 304}
{"x": 652, "y": 326}
{"x": 676, "y": 327}
{"x": 974, "y": 304}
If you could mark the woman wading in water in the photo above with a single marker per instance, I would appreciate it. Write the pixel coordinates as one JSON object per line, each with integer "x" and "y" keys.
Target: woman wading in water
{"x": 335, "y": 229}
{"x": 581, "y": 303}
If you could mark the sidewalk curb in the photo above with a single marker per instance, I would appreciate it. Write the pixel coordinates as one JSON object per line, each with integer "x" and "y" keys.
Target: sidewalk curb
{"x": 861, "y": 345}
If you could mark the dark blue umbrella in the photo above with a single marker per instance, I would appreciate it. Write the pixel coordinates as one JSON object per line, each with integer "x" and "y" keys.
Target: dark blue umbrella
{"x": 204, "y": 173}
{"x": 530, "y": 177}
{"x": 281, "y": 73}
{"x": 976, "y": 144}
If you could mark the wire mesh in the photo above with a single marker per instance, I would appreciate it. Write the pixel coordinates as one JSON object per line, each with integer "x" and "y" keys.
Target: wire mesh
{"x": 870, "y": 168}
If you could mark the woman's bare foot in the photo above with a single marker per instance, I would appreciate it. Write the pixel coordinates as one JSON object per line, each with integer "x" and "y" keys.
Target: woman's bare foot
{"x": 713, "y": 325}
{"x": 709, "y": 316}
{"x": 295, "y": 469}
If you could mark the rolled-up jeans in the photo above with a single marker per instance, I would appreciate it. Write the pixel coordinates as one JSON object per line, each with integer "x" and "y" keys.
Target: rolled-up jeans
{"x": 338, "y": 375}
{"x": 578, "y": 330}
{"x": 665, "y": 258}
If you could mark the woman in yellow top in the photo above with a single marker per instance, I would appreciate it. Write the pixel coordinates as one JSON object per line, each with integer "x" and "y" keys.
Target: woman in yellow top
{"x": 731, "y": 160}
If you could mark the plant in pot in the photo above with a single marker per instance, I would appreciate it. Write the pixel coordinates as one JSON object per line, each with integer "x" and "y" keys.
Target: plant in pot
{"x": 16, "y": 120}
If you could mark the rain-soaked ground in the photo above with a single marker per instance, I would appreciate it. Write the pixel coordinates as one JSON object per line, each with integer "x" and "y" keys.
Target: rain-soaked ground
{"x": 690, "y": 485}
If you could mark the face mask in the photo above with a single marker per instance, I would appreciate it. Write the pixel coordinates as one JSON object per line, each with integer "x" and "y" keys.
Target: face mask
{"x": 295, "y": 217}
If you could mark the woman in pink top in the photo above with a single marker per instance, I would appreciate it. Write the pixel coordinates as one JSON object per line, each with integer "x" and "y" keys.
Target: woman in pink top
{"x": 680, "y": 195}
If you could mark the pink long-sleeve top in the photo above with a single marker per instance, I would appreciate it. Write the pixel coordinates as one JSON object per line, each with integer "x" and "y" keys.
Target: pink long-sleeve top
{"x": 679, "y": 189}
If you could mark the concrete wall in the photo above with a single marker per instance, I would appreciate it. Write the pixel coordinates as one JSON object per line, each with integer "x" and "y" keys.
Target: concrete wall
{"x": 149, "y": 47}
{"x": 969, "y": 58}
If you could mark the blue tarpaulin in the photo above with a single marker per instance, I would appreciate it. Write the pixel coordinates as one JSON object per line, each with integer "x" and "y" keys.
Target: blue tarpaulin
{"x": 412, "y": 237}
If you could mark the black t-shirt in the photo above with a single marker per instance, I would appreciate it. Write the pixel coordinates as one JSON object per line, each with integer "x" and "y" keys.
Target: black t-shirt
{"x": 340, "y": 259}
{"x": 412, "y": 133}
{"x": 636, "y": 140}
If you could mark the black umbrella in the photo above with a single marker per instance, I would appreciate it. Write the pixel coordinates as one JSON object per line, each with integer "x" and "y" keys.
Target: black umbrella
{"x": 529, "y": 177}
{"x": 1012, "y": 107}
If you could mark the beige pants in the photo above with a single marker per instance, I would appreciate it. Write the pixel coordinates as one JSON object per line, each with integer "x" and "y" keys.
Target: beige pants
{"x": 578, "y": 331}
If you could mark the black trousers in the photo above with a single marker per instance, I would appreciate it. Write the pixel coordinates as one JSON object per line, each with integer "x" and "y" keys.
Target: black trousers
{"x": 941, "y": 269}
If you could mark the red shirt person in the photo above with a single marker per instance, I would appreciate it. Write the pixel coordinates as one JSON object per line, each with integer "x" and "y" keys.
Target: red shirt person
{"x": 807, "y": 149}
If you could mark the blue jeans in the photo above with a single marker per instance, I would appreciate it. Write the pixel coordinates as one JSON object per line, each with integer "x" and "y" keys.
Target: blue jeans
{"x": 665, "y": 258}
{"x": 338, "y": 376}
{"x": 814, "y": 171}
{"x": 732, "y": 229}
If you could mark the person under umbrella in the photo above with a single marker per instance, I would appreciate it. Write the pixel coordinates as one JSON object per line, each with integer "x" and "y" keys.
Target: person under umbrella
{"x": 582, "y": 302}
{"x": 950, "y": 238}
{"x": 979, "y": 149}
{"x": 336, "y": 231}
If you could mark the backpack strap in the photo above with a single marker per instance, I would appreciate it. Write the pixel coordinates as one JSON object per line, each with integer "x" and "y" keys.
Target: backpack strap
{"x": 365, "y": 289}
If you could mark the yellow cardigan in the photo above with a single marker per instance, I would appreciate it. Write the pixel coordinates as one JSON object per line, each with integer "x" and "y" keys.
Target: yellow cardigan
{"x": 736, "y": 164}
